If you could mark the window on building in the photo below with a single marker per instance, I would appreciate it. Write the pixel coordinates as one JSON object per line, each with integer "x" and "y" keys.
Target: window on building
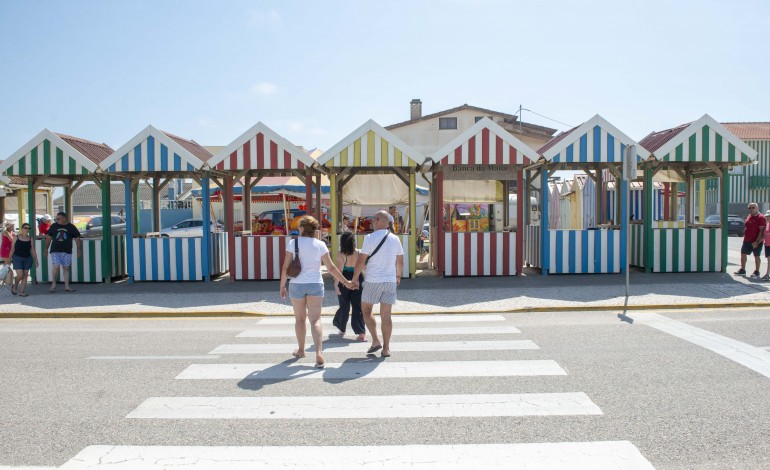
{"x": 479, "y": 118}
{"x": 447, "y": 123}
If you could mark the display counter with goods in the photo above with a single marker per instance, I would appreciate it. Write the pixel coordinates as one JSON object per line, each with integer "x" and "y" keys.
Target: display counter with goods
{"x": 257, "y": 251}
{"x": 476, "y": 233}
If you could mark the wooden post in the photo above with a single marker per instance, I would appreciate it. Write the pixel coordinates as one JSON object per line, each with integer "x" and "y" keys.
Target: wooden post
{"x": 246, "y": 200}
{"x": 520, "y": 227}
{"x": 137, "y": 206}
{"x": 545, "y": 241}
{"x": 649, "y": 245}
{"x": 318, "y": 186}
{"x": 129, "y": 232}
{"x": 206, "y": 216}
{"x": 156, "y": 204}
{"x": 230, "y": 222}
{"x": 412, "y": 222}
{"x": 106, "y": 229}
{"x": 68, "y": 201}
{"x": 437, "y": 244}
{"x": 334, "y": 216}
{"x": 725, "y": 200}
{"x": 309, "y": 192}
{"x": 599, "y": 219}
{"x": 31, "y": 220}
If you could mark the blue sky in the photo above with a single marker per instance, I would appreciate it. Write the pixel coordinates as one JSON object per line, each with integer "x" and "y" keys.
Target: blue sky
{"x": 316, "y": 70}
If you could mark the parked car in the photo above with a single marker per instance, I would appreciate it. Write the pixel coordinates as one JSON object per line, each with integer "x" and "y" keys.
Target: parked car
{"x": 189, "y": 228}
{"x": 94, "y": 226}
{"x": 735, "y": 224}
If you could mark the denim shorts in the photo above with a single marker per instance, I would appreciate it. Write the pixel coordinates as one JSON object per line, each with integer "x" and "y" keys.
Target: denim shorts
{"x": 24, "y": 264}
{"x": 299, "y": 291}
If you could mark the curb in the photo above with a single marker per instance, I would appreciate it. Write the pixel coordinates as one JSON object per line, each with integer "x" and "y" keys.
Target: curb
{"x": 242, "y": 313}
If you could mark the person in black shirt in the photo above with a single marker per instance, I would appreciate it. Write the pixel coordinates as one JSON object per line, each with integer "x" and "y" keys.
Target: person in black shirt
{"x": 59, "y": 239}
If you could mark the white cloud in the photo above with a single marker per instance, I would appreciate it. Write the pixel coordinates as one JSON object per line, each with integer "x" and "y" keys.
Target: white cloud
{"x": 264, "y": 88}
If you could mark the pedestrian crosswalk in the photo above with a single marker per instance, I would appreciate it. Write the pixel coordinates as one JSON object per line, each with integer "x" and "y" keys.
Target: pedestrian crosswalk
{"x": 437, "y": 354}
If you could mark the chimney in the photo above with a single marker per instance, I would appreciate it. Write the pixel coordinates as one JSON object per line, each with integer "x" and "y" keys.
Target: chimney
{"x": 415, "y": 109}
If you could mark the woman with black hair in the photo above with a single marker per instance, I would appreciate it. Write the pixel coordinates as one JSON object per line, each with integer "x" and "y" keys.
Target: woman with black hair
{"x": 346, "y": 262}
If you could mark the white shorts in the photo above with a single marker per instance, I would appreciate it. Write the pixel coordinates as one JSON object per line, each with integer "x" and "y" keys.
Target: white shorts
{"x": 378, "y": 292}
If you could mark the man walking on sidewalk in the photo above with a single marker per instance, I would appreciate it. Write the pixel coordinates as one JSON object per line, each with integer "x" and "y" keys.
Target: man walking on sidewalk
{"x": 383, "y": 257}
{"x": 59, "y": 237}
{"x": 753, "y": 239}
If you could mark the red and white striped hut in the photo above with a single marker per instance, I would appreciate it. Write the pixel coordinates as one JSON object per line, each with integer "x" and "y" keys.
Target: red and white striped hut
{"x": 474, "y": 231}
{"x": 260, "y": 152}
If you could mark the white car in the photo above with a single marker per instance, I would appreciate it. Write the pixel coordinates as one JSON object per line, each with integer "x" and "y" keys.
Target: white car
{"x": 189, "y": 228}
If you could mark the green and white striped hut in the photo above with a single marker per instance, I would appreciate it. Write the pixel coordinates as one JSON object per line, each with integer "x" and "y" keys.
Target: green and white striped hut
{"x": 690, "y": 155}
{"x": 51, "y": 159}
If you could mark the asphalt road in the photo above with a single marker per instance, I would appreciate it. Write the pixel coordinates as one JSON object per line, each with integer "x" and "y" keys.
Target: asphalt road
{"x": 69, "y": 384}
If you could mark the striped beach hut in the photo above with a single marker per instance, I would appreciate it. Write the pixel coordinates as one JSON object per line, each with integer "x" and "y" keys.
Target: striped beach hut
{"x": 156, "y": 158}
{"x": 372, "y": 167}
{"x": 52, "y": 159}
{"x": 256, "y": 154}
{"x": 592, "y": 147}
{"x": 476, "y": 168}
{"x": 689, "y": 155}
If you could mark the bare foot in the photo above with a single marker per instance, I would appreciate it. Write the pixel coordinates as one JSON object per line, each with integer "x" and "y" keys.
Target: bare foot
{"x": 298, "y": 353}
{"x": 361, "y": 337}
{"x": 319, "y": 361}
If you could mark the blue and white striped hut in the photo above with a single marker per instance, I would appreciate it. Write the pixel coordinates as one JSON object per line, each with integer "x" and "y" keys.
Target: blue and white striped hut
{"x": 158, "y": 158}
{"x": 593, "y": 146}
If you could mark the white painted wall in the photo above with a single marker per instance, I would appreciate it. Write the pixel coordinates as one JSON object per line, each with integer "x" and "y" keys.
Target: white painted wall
{"x": 426, "y": 137}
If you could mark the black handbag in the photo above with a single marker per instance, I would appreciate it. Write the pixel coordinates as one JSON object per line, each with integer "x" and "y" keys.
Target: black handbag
{"x": 295, "y": 267}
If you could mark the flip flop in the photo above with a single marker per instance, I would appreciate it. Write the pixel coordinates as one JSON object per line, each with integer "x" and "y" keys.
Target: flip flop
{"x": 374, "y": 349}
{"x": 385, "y": 354}
{"x": 320, "y": 365}
{"x": 298, "y": 355}
{"x": 23, "y": 295}
{"x": 13, "y": 292}
{"x": 361, "y": 338}
{"x": 70, "y": 290}
{"x": 52, "y": 290}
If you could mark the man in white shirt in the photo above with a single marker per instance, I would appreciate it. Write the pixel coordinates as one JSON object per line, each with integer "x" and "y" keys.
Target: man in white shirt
{"x": 384, "y": 267}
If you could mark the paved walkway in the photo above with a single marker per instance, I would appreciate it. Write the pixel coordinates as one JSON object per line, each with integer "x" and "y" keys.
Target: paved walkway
{"x": 424, "y": 294}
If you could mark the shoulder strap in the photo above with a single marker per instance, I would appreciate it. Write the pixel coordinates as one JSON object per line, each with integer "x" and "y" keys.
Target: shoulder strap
{"x": 377, "y": 249}
{"x": 296, "y": 247}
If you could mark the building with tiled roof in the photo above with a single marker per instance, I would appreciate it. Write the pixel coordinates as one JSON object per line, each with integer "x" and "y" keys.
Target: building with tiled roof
{"x": 751, "y": 183}
{"x": 87, "y": 199}
{"x": 428, "y": 133}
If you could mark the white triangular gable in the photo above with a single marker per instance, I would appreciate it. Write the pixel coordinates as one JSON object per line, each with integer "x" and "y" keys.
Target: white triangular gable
{"x": 247, "y": 143}
{"x": 569, "y": 149}
{"x": 140, "y": 140}
{"x": 447, "y": 154}
{"x": 694, "y": 128}
{"x": 82, "y": 162}
{"x": 399, "y": 153}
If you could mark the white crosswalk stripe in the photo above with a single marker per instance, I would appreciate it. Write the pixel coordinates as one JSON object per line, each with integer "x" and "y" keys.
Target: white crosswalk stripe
{"x": 472, "y": 330}
{"x": 396, "y": 406}
{"x": 370, "y": 369}
{"x": 361, "y": 347}
{"x": 603, "y": 455}
{"x": 398, "y": 319}
{"x": 357, "y": 407}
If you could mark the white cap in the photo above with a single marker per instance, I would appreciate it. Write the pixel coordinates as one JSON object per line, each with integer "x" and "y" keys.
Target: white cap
{"x": 767, "y": 214}
{"x": 47, "y": 217}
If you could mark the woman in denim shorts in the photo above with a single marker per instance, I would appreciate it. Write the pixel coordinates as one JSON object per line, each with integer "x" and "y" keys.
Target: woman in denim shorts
{"x": 23, "y": 256}
{"x": 307, "y": 289}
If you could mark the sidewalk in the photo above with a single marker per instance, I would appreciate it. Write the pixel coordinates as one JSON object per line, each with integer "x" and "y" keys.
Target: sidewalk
{"x": 424, "y": 294}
